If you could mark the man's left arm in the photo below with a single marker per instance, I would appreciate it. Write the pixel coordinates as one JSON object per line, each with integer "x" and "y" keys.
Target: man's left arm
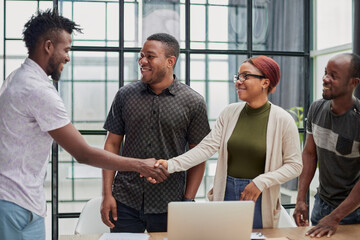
{"x": 193, "y": 179}
{"x": 197, "y": 130}
{"x": 328, "y": 225}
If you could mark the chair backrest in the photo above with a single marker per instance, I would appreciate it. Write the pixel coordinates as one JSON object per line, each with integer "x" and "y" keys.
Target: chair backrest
{"x": 285, "y": 219}
{"x": 90, "y": 219}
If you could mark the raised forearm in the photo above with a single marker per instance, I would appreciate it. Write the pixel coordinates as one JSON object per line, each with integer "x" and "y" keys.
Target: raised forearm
{"x": 110, "y": 161}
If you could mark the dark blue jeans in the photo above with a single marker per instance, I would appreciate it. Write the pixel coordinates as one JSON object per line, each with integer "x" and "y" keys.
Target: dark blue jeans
{"x": 134, "y": 221}
{"x": 234, "y": 188}
{"x": 322, "y": 209}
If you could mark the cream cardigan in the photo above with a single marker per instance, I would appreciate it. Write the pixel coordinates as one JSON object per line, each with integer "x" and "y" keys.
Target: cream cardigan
{"x": 283, "y": 157}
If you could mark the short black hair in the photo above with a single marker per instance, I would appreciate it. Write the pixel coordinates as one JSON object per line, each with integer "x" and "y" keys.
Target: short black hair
{"x": 172, "y": 45}
{"x": 46, "y": 24}
{"x": 354, "y": 65}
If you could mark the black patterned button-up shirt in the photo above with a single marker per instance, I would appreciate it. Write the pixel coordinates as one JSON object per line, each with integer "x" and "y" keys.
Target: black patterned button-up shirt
{"x": 155, "y": 126}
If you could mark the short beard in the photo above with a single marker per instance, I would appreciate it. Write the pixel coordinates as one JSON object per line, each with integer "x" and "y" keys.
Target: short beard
{"x": 327, "y": 97}
{"x": 55, "y": 75}
{"x": 158, "y": 78}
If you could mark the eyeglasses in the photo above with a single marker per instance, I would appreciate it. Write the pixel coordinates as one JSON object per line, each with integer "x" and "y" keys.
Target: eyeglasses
{"x": 245, "y": 76}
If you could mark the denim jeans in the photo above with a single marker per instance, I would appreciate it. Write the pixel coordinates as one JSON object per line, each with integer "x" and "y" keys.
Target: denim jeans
{"x": 322, "y": 209}
{"x": 17, "y": 223}
{"x": 134, "y": 221}
{"x": 234, "y": 188}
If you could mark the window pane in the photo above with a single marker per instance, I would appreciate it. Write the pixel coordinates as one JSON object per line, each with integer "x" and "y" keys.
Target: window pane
{"x": 131, "y": 27}
{"x": 131, "y": 67}
{"x": 332, "y": 31}
{"x": 15, "y": 22}
{"x": 65, "y": 184}
{"x": 290, "y": 90}
{"x": 219, "y": 27}
{"x": 211, "y": 76}
{"x": 87, "y": 84}
{"x": 151, "y": 17}
{"x": 89, "y": 101}
{"x": 99, "y": 21}
{"x": 278, "y": 25}
{"x": 15, "y": 52}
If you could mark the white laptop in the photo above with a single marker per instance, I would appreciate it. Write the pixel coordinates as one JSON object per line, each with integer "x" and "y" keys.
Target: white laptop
{"x": 228, "y": 220}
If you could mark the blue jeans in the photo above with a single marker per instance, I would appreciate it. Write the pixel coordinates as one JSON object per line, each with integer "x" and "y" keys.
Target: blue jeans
{"x": 234, "y": 188}
{"x": 17, "y": 223}
{"x": 322, "y": 209}
{"x": 134, "y": 221}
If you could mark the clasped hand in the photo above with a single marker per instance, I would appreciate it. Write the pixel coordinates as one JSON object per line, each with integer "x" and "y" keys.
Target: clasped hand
{"x": 154, "y": 172}
{"x": 159, "y": 164}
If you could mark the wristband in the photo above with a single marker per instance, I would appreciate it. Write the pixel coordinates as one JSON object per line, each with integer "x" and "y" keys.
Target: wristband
{"x": 188, "y": 200}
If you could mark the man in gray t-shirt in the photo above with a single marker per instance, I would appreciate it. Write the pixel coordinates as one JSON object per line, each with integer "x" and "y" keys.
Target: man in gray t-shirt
{"x": 333, "y": 142}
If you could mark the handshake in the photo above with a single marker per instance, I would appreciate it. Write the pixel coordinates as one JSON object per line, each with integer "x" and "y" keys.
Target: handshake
{"x": 154, "y": 170}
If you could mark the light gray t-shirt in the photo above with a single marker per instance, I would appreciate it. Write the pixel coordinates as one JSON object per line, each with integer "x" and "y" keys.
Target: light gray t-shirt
{"x": 337, "y": 139}
{"x": 30, "y": 106}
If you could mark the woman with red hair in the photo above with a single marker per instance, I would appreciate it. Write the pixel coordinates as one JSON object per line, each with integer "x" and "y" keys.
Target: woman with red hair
{"x": 258, "y": 144}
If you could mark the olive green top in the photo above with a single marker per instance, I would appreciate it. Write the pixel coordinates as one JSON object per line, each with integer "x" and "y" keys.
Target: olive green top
{"x": 247, "y": 144}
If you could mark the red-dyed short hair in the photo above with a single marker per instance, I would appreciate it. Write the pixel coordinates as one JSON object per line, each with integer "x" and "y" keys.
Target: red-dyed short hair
{"x": 269, "y": 68}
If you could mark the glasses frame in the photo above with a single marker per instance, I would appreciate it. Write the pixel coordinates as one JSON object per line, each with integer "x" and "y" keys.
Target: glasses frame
{"x": 243, "y": 77}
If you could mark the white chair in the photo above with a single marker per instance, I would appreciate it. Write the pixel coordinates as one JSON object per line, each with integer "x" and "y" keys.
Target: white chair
{"x": 90, "y": 219}
{"x": 285, "y": 219}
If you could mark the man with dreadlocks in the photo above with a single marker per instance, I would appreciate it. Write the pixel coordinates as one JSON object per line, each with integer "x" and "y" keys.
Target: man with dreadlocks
{"x": 32, "y": 114}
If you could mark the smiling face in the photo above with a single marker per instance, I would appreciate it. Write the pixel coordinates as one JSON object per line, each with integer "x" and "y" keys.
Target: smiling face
{"x": 60, "y": 55}
{"x": 153, "y": 62}
{"x": 336, "y": 80}
{"x": 252, "y": 88}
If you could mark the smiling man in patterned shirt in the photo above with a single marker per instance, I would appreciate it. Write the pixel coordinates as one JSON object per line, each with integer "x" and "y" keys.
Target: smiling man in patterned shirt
{"x": 157, "y": 117}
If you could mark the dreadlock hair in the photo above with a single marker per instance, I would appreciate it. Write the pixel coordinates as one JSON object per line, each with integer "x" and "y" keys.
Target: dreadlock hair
{"x": 46, "y": 24}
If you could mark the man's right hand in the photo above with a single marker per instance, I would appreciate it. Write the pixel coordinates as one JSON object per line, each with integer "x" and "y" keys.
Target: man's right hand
{"x": 108, "y": 205}
{"x": 150, "y": 171}
{"x": 301, "y": 214}
{"x": 158, "y": 164}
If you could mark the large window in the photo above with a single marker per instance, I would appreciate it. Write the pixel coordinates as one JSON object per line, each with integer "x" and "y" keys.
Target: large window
{"x": 326, "y": 27}
{"x": 215, "y": 36}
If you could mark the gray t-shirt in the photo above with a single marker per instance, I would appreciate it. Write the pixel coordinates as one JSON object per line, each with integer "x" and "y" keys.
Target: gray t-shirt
{"x": 337, "y": 139}
{"x": 30, "y": 107}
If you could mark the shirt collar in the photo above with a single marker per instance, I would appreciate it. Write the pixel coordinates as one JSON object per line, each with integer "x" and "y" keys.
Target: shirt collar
{"x": 172, "y": 89}
{"x": 32, "y": 64}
